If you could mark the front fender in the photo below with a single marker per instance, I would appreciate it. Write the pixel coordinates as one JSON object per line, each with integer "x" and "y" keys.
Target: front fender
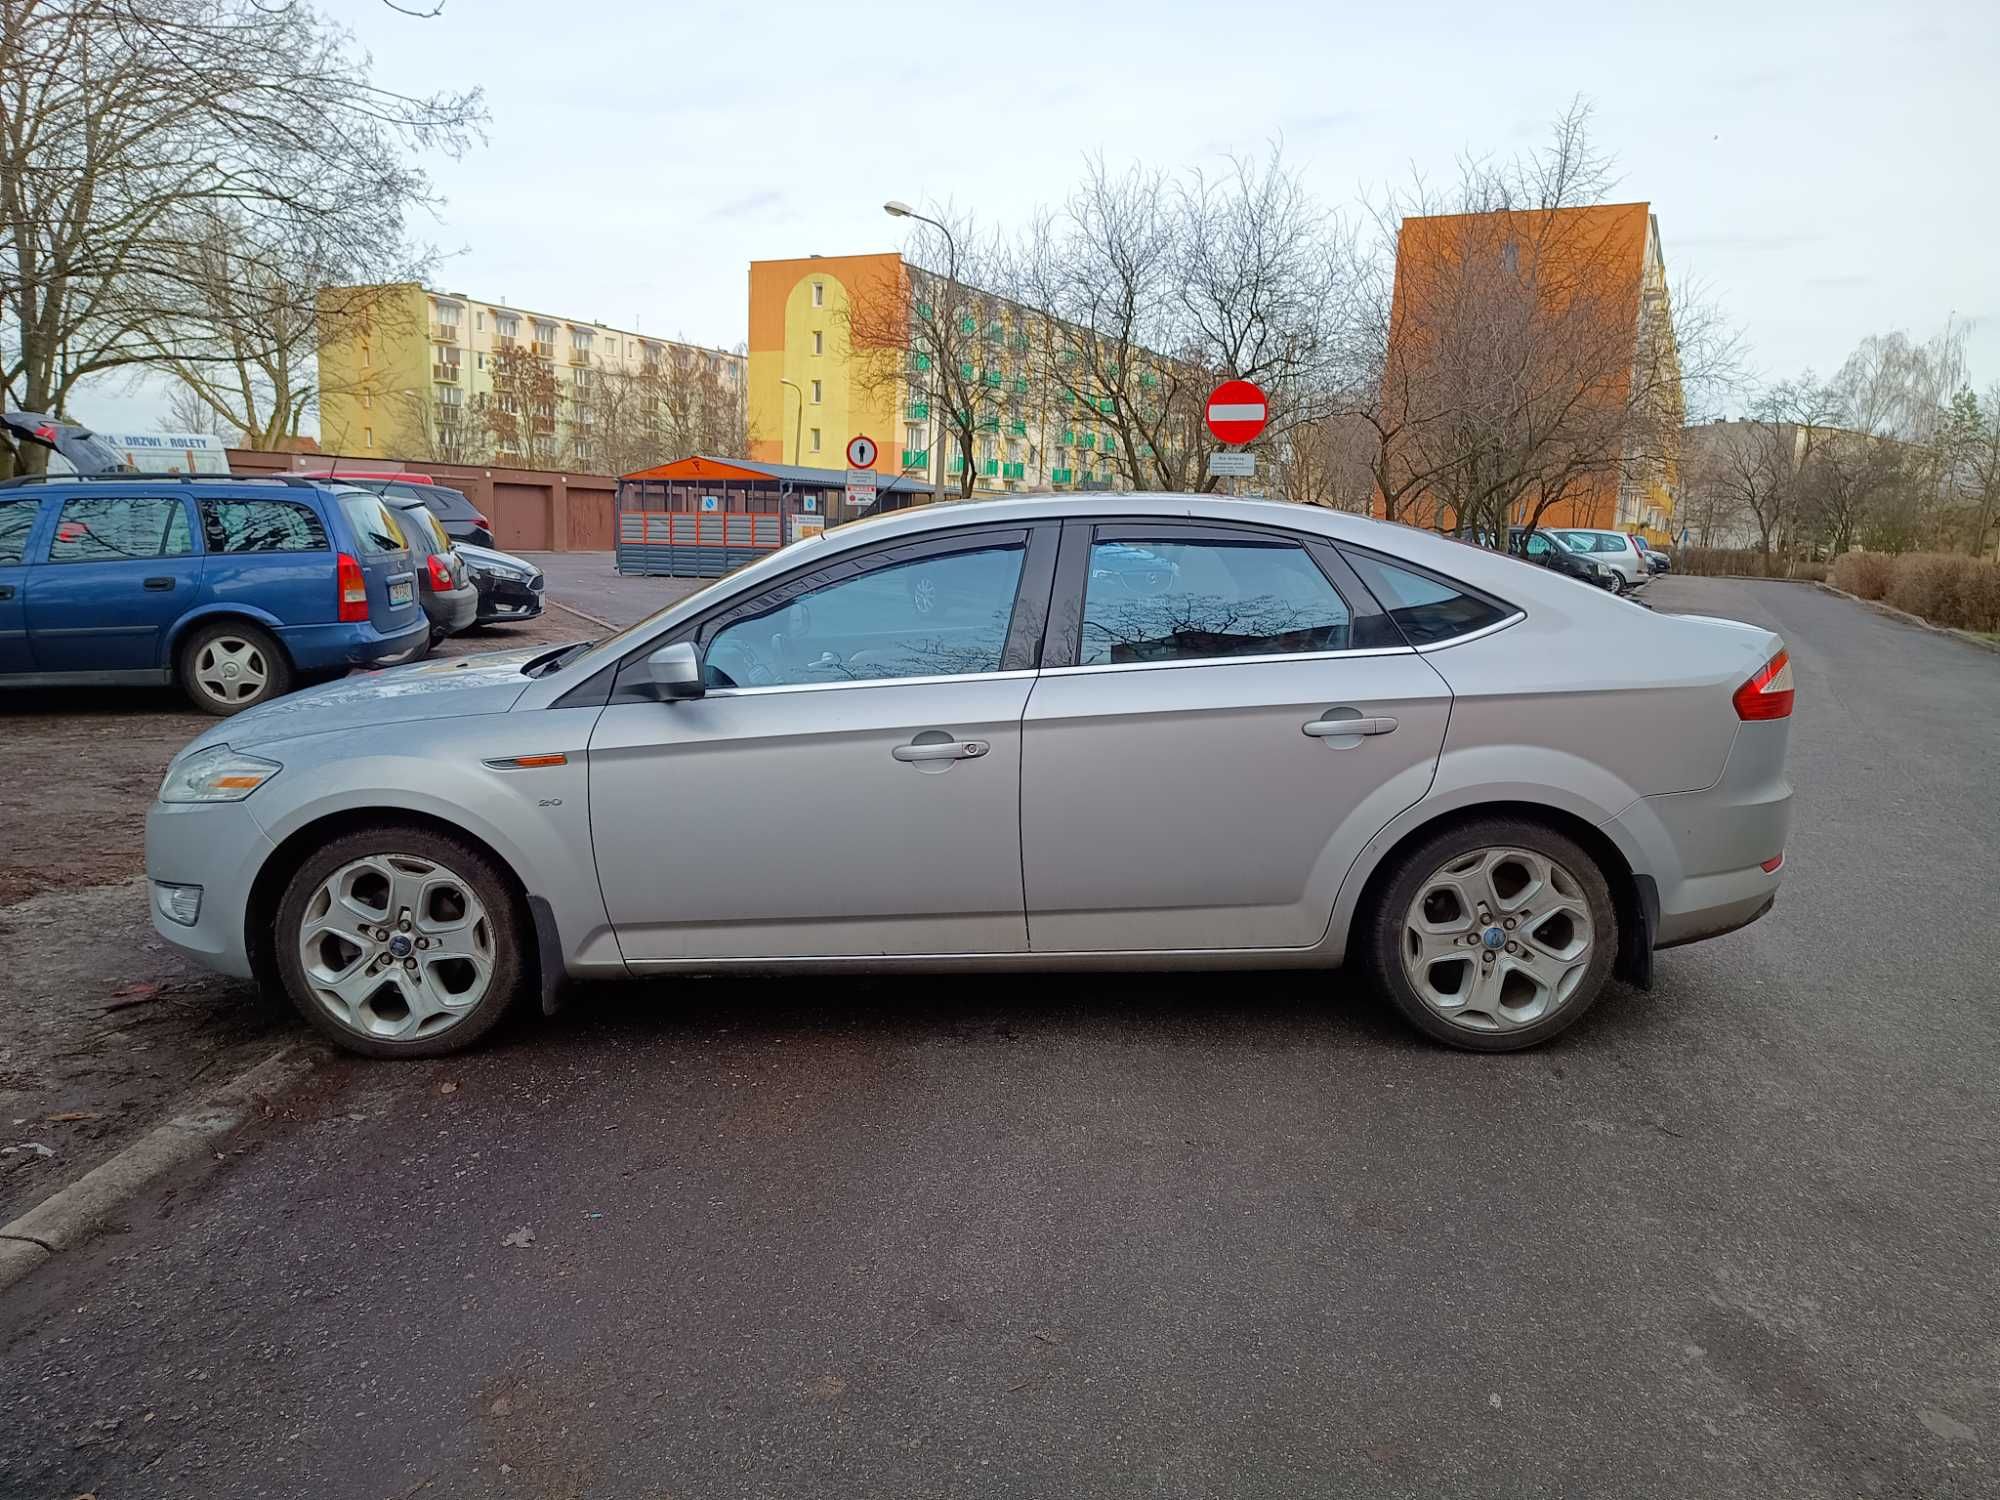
{"x": 536, "y": 820}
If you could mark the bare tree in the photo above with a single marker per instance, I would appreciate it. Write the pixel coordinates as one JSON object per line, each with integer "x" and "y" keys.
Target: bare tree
{"x": 1529, "y": 350}
{"x": 519, "y": 414}
{"x": 188, "y": 412}
{"x": 1328, "y": 461}
{"x": 124, "y": 121}
{"x": 937, "y": 332}
{"x": 438, "y": 430}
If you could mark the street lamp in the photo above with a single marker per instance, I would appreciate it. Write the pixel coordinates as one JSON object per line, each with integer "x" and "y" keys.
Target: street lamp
{"x": 801, "y": 419}
{"x": 895, "y": 208}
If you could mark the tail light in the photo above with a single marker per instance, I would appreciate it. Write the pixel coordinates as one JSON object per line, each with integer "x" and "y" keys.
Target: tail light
{"x": 1768, "y": 695}
{"x": 353, "y": 591}
{"x": 440, "y": 573}
{"x": 481, "y": 522}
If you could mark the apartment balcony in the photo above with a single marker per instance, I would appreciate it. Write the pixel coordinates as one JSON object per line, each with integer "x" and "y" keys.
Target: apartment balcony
{"x": 580, "y": 357}
{"x": 916, "y": 458}
{"x": 444, "y": 333}
{"x": 1061, "y": 476}
{"x": 541, "y": 350}
{"x": 505, "y": 341}
{"x": 1014, "y": 471}
{"x": 446, "y": 374}
{"x": 917, "y": 411}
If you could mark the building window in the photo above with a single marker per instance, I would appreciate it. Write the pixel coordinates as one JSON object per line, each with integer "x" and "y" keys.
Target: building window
{"x": 479, "y": 322}
{"x": 367, "y": 437}
{"x": 819, "y": 294}
{"x": 367, "y": 355}
{"x": 816, "y": 393}
{"x": 819, "y": 342}
{"x": 815, "y": 440}
{"x": 580, "y": 340}
{"x": 479, "y": 361}
{"x": 507, "y": 325}
{"x": 367, "y": 402}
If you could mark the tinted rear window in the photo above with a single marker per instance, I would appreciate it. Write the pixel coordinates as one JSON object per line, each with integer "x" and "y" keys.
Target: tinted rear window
{"x": 1426, "y": 609}
{"x": 374, "y": 527}
{"x": 422, "y": 528}
{"x": 449, "y": 503}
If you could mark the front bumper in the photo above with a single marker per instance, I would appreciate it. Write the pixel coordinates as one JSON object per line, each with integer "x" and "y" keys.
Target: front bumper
{"x": 507, "y": 599}
{"x": 219, "y": 847}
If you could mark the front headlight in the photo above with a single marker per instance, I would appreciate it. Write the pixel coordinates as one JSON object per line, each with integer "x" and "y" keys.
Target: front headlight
{"x": 217, "y": 774}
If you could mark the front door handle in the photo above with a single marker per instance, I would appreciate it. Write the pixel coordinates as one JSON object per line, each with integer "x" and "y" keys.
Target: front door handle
{"x": 943, "y": 750}
{"x": 1322, "y": 729}
{"x": 159, "y": 585}
{"x": 6, "y": 590}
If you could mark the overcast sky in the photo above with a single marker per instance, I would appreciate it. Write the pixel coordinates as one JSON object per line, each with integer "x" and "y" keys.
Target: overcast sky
{"x": 1826, "y": 171}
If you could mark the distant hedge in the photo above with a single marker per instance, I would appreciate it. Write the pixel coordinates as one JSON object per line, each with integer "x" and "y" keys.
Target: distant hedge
{"x": 1742, "y": 562}
{"x": 1963, "y": 592}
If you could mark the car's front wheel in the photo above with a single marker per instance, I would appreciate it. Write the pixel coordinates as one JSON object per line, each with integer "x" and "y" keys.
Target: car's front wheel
{"x": 231, "y": 665}
{"x": 398, "y": 941}
{"x": 1495, "y": 935}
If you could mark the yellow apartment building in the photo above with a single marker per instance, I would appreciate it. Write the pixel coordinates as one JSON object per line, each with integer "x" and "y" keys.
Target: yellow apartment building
{"x": 828, "y": 361}
{"x": 402, "y": 369}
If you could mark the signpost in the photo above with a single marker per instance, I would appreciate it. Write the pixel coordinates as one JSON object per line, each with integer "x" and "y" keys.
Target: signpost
{"x": 860, "y": 471}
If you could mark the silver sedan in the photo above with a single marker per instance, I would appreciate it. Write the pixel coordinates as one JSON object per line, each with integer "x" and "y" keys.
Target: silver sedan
{"x": 1156, "y": 731}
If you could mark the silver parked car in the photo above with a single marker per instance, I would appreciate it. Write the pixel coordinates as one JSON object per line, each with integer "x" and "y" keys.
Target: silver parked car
{"x": 1614, "y": 550}
{"x": 1305, "y": 739}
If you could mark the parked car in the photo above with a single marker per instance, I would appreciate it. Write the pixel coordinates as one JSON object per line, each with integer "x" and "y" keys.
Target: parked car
{"x": 232, "y": 588}
{"x": 1659, "y": 561}
{"x": 450, "y": 597}
{"x": 1329, "y": 740}
{"x": 1547, "y": 549}
{"x": 510, "y": 588}
{"x": 1612, "y": 549}
{"x": 463, "y": 521}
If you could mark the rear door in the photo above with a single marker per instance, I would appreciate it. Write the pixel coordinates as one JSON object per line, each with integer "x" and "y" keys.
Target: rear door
{"x": 18, "y": 514}
{"x": 270, "y": 554}
{"x": 1186, "y": 782}
{"x": 119, "y": 568}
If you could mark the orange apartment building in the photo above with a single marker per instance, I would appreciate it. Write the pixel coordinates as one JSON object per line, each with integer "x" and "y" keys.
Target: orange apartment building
{"x": 1537, "y": 332}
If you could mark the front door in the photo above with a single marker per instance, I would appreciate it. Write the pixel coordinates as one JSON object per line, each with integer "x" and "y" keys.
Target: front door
{"x": 1186, "y": 780}
{"x": 17, "y": 529}
{"x": 850, "y": 784}
{"x": 119, "y": 569}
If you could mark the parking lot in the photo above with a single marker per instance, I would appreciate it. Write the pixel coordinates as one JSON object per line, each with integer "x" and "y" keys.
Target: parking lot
{"x": 1188, "y": 1235}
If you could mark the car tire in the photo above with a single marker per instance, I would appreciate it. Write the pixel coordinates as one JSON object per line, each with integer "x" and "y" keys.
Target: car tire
{"x": 227, "y": 666}
{"x": 1538, "y": 981}
{"x": 467, "y": 915}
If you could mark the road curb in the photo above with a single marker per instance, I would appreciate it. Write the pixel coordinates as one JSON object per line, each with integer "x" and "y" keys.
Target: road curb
{"x": 71, "y": 1215}
{"x": 571, "y": 609}
{"x": 1918, "y": 620}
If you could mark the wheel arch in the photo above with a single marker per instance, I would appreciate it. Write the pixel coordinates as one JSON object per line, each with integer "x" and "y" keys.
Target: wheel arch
{"x": 1633, "y": 895}
{"x": 216, "y": 614}
{"x": 535, "y": 920}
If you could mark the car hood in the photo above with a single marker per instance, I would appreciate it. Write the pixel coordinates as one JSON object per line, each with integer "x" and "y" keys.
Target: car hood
{"x": 485, "y": 684}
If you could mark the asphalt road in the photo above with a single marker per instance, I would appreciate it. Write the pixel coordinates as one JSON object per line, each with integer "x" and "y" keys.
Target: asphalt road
{"x": 1214, "y": 1236}
{"x": 591, "y": 582}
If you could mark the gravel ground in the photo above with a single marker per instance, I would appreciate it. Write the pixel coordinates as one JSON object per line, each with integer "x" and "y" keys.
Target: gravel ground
{"x": 107, "y": 1030}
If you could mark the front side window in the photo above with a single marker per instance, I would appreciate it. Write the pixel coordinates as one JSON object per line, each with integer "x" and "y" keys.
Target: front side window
{"x": 374, "y": 526}
{"x": 1538, "y": 545}
{"x": 107, "y": 528}
{"x": 17, "y": 524}
{"x": 260, "y": 526}
{"x": 1425, "y": 609}
{"x": 1166, "y": 600}
{"x": 940, "y": 616}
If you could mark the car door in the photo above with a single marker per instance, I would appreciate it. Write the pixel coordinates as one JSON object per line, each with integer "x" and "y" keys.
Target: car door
{"x": 18, "y": 514}
{"x": 120, "y": 567}
{"x": 1187, "y": 777}
{"x": 849, "y": 785}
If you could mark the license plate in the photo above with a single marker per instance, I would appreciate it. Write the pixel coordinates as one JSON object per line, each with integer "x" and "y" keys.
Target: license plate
{"x": 401, "y": 594}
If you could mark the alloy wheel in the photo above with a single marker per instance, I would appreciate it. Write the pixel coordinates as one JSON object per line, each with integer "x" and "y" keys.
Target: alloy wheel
{"x": 1497, "y": 939}
{"x": 231, "y": 670}
{"x": 396, "y": 946}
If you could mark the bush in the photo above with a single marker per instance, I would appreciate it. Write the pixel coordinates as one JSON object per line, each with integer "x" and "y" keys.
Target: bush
{"x": 1863, "y": 574}
{"x": 1963, "y": 592}
{"x": 1741, "y": 562}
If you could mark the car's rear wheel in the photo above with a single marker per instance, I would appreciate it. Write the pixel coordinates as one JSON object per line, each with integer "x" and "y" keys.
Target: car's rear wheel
{"x": 231, "y": 665}
{"x": 398, "y": 941}
{"x": 1495, "y": 935}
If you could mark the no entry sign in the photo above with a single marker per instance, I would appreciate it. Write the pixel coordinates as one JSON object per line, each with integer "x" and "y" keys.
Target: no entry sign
{"x": 1236, "y": 411}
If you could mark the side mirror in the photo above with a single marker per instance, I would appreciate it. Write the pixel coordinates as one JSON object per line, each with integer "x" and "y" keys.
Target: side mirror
{"x": 674, "y": 672}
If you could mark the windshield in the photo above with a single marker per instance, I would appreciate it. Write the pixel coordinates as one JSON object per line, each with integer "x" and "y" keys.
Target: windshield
{"x": 374, "y": 527}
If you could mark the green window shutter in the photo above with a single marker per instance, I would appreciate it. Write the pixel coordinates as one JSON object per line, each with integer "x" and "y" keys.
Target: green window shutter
{"x": 995, "y": 332}
{"x": 923, "y": 363}
{"x": 993, "y": 379}
{"x": 1149, "y": 381}
{"x": 1018, "y": 427}
{"x": 991, "y": 466}
{"x": 919, "y": 410}
{"x": 1145, "y": 450}
{"x": 957, "y": 464}
{"x": 1088, "y": 441}
{"x": 1020, "y": 385}
{"x": 968, "y": 325}
{"x": 1106, "y": 406}
{"x": 965, "y": 370}
{"x": 1110, "y": 443}
{"x": 1069, "y": 437}
{"x": 1059, "y": 476}
{"x": 924, "y": 311}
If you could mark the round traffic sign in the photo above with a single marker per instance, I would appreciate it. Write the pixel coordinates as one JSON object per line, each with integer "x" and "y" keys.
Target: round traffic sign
{"x": 1236, "y": 411}
{"x": 861, "y": 451}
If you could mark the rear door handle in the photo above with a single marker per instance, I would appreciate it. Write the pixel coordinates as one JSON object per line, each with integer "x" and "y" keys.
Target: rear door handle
{"x": 1321, "y": 729}
{"x": 159, "y": 585}
{"x": 946, "y": 750}
{"x": 6, "y": 590}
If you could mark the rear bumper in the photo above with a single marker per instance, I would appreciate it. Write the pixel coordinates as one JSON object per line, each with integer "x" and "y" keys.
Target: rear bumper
{"x": 1706, "y": 850}
{"x": 317, "y": 647}
{"x": 453, "y": 610}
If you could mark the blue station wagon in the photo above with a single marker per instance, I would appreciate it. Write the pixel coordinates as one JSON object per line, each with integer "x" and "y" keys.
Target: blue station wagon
{"x": 233, "y": 588}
